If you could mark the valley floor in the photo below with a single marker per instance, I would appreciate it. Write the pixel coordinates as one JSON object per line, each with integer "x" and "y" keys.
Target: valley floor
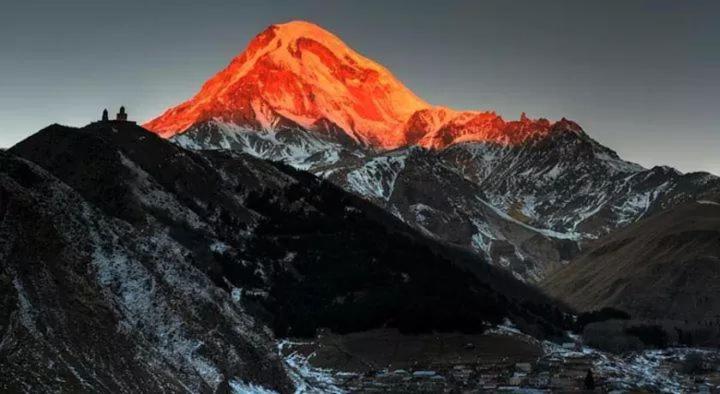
{"x": 499, "y": 360}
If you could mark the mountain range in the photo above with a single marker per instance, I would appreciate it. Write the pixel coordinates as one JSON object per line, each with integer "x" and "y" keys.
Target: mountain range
{"x": 526, "y": 194}
{"x": 130, "y": 263}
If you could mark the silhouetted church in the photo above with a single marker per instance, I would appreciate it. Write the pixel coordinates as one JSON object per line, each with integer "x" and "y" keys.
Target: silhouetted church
{"x": 120, "y": 117}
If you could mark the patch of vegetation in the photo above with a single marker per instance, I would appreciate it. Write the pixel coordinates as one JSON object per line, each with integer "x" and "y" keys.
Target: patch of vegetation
{"x": 620, "y": 336}
{"x": 610, "y": 336}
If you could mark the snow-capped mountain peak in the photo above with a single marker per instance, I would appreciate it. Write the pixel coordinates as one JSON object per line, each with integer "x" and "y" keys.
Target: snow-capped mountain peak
{"x": 298, "y": 75}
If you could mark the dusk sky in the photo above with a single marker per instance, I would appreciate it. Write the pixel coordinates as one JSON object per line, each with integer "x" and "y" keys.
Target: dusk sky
{"x": 642, "y": 77}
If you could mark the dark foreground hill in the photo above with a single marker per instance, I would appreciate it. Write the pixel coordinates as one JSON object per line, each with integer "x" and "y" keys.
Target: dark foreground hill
{"x": 91, "y": 303}
{"x": 130, "y": 262}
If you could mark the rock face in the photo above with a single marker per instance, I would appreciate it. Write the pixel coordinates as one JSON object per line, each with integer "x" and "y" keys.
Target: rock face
{"x": 663, "y": 267}
{"x": 525, "y": 194}
{"x": 131, "y": 264}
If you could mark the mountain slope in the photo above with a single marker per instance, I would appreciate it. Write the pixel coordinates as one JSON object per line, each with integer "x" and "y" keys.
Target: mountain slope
{"x": 527, "y": 207}
{"x": 663, "y": 267}
{"x": 418, "y": 187}
{"x": 571, "y": 184}
{"x": 91, "y": 303}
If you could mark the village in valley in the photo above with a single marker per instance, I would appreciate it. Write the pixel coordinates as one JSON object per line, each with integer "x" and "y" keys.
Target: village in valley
{"x": 502, "y": 360}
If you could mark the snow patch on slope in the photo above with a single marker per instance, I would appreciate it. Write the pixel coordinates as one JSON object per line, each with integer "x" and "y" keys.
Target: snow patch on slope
{"x": 546, "y": 232}
{"x": 239, "y": 387}
{"x": 636, "y": 205}
{"x": 482, "y": 240}
{"x": 377, "y": 177}
{"x": 143, "y": 306}
{"x": 708, "y": 202}
{"x": 307, "y": 379}
{"x": 298, "y": 148}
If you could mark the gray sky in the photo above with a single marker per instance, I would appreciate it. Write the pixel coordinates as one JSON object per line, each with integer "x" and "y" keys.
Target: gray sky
{"x": 642, "y": 77}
